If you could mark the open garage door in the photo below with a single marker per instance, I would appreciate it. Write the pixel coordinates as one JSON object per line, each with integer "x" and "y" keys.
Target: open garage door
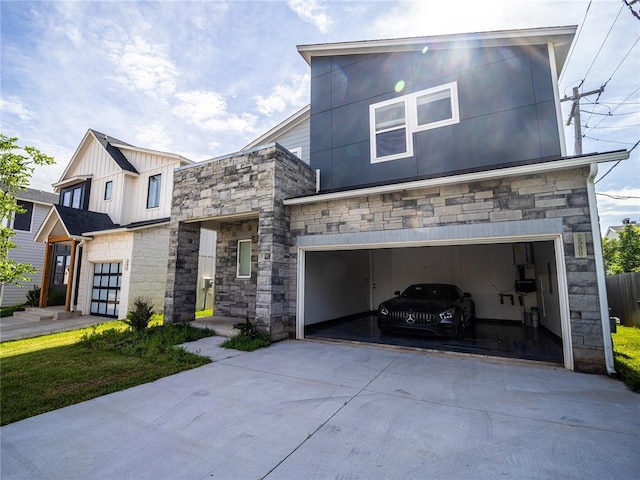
{"x": 514, "y": 287}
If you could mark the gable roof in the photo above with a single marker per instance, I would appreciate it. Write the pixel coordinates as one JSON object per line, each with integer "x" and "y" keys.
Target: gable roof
{"x": 78, "y": 221}
{"x": 272, "y": 135}
{"x": 37, "y": 196}
{"x": 118, "y": 157}
{"x": 113, "y": 147}
{"x": 559, "y": 37}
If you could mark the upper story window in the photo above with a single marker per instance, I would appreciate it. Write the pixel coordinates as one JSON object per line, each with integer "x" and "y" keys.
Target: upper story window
{"x": 108, "y": 190}
{"x": 393, "y": 122}
{"x": 153, "y": 193}
{"x": 22, "y": 221}
{"x": 72, "y": 196}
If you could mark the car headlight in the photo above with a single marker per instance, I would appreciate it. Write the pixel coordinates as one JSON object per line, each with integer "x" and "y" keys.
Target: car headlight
{"x": 383, "y": 310}
{"x": 448, "y": 314}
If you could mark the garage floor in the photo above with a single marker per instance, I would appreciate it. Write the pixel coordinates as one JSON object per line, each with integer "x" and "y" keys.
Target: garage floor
{"x": 487, "y": 338}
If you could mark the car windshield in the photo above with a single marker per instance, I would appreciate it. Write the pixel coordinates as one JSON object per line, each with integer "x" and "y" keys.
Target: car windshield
{"x": 429, "y": 292}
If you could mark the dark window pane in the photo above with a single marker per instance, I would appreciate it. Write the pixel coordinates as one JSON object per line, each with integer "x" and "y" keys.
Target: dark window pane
{"x": 391, "y": 143}
{"x": 434, "y": 108}
{"x": 77, "y": 197}
{"x": 66, "y": 198}
{"x": 22, "y": 221}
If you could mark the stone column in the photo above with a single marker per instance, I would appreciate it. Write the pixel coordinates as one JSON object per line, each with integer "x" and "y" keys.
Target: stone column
{"x": 182, "y": 273}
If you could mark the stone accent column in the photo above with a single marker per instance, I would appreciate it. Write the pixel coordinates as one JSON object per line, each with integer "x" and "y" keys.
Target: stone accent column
{"x": 182, "y": 273}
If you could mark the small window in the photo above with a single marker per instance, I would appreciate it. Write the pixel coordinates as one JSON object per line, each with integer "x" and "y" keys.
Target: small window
{"x": 72, "y": 196}
{"x": 108, "y": 190}
{"x": 153, "y": 194}
{"x": 390, "y": 130}
{"x": 437, "y": 107}
{"x": 244, "y": 259}
{"x": 22, "y": 221}
{"x": 297, "y": 152}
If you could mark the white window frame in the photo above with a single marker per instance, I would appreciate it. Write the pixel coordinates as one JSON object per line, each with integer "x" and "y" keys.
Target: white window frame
{"x": 238, "y": 262}
{"x": 411, "y": 118}
{"x": 108, "y": 190}
{"x": 157, "y": 198}
{"x": 373, "y": 133}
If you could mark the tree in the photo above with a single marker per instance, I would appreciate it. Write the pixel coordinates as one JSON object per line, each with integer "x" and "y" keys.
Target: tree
{"x": 622, "y": 254}
{"x": 17, "y": 164}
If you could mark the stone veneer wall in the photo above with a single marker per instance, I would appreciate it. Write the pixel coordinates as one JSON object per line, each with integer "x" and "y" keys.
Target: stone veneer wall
{"x": 560, "y": 194}
{"x": 148, "y": 277}
{"x": 250, "y": 186}
{"x": 235, "y": 297}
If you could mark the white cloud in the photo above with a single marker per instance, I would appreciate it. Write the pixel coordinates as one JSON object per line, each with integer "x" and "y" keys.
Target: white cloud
{"x": 313, "y": 12}
{"x": 614, "y": 205}
{"x": 294, "y": 94}
{"x": 14, "y": 105}
{"x": 144, "y": 66}
{"x": 208, "y": 110}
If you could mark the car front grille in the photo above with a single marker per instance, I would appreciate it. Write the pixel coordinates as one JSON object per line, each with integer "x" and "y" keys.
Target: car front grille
{"x": 413, "y": 318}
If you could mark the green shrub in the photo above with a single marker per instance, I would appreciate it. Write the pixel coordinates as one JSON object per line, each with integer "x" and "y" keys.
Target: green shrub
{"x": 249, "y": 338}
{"x": 33, "y": 297}
{"x": 139, "y": 315}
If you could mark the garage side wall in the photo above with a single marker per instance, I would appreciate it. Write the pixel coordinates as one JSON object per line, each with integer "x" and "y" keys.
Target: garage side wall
{"x": 148, "y": 270}
{"x": 559, "y": 196}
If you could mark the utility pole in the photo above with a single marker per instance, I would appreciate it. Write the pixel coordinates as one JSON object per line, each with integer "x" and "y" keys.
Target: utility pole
{"x": 575, "y": 114}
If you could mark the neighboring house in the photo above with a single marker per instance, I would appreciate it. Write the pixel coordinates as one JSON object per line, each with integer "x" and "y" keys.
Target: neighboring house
{"x": 107, "y": 239}
{"x": 431, "y": 159}
{"x": 36, "y": 204}
{"x": 614, "y": 232}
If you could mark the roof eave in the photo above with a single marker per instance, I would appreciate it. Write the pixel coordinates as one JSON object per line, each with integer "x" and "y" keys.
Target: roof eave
{"x": 532, "y": 36}
{"x": 563, "y": 164}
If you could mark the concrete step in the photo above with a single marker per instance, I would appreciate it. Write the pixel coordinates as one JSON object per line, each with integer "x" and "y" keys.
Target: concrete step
{"x": 35, "y": 314}
{"x": 32, "y": 316}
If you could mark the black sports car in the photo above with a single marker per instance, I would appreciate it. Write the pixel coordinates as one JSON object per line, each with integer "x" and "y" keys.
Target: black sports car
{"x": 432, "y": 307}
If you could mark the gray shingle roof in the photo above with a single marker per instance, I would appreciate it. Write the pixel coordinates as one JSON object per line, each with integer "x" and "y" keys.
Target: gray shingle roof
{"x": 78, "y": 222}
{"x": 33, "y": 195}
{"x": 116, "y": 154}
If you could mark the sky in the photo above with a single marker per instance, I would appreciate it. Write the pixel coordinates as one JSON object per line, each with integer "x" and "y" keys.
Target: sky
{"x": 205, "y": 78}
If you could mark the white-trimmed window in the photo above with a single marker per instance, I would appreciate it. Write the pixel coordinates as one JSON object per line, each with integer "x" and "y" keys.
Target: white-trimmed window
{"x": 153, "y": 192}
{"x": 244, "y": 259}
{"x": 108, "y": 190}
{"x": 393, "y": 122}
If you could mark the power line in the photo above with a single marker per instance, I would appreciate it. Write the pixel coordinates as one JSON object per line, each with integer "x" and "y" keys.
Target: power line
{"x": 609, "y": 114}
{"x": 575, "y": 42}
{"x": 617, "y": 197}
{"x": 602, "y": 44}
{"x": 618, "y": 106}
{"x": 616, "y": 164}
{"x": 606, "y": 141}
{"x": 616, "y": 126}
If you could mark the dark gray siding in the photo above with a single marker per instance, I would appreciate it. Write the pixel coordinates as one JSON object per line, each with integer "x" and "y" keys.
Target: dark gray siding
{"x": 506, "y": 104}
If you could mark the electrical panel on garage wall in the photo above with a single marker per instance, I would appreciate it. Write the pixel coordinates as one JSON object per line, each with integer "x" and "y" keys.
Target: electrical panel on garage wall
{"x": 522, "y": 254}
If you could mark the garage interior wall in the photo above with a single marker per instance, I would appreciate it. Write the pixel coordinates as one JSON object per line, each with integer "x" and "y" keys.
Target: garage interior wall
{"x": 336, "y": 285}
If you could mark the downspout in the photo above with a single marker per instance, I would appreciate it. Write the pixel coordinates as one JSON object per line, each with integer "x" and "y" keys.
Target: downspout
{"x": 76, "y": 272}
{"x": 600, "y": 275}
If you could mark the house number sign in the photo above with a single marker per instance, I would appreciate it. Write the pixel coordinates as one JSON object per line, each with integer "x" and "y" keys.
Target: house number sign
{"x": 580, "y": 245}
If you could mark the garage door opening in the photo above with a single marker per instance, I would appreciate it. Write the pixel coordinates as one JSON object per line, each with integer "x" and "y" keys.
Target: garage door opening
{"x": 514, "y": 287}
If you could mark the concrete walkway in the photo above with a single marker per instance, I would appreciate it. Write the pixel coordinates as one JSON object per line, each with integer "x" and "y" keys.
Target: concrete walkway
{"x": 12, "y": 328}
{"x": 311, "y": 410}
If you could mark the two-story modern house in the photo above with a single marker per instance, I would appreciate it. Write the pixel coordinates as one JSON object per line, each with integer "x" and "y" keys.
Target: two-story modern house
{"x": 429, "y": 160}
{"x": 36, "y": 205}
{"x": 107, "y": 238}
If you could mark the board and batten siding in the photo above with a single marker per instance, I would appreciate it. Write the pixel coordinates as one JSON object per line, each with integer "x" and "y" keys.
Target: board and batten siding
{"x": 28, "y": 252}
{"x": 135, "y": 196}
{"x": 298, "y": 137}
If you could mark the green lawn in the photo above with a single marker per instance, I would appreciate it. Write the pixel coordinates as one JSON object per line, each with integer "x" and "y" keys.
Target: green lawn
{"x": 626, "y": 351}
{"x": 45, "y": 373}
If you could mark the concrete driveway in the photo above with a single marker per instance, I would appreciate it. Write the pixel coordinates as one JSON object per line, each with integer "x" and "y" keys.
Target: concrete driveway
{"x": 310, "y": 410}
